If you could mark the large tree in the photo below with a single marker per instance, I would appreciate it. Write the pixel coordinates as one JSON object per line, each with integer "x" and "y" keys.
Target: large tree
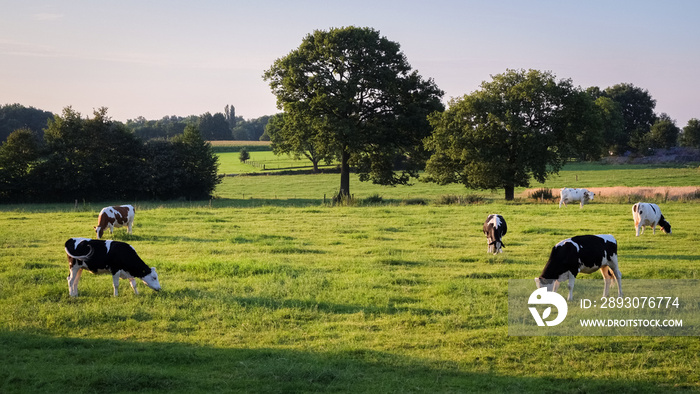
{"x": 357, "y": 92}
{"x": 664, "y": 133}
{"x": 522, "y": 124}
{"x": 637, "y": 108}
{"x": 691, "y": 134}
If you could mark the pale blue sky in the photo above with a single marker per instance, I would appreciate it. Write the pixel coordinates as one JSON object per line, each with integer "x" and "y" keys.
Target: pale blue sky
{"x": 158, "y": 58}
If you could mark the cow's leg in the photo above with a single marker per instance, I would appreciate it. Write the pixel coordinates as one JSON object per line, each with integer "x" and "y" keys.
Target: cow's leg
{"x": 607, "y": 278}
{"x": 653, "y": 229}
{"x": 132, "y": 281}
{"x": 128, "y": 226}
{"x": 73, "y": 278}
{"x": 572, "y": 279}
{"x": 115, "y": 283}
{"x": 612, "y": 266}
{"x": 560, "y": 202}
{"x": 637, "y": 227}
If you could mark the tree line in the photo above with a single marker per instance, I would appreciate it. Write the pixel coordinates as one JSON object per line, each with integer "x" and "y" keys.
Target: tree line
{"x": 349, "y": 94}
{"x": 97, "y": 159}
{"x": 219, "y": 126}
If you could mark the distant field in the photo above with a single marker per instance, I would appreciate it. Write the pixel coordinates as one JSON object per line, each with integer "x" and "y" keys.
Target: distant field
{"x": 239, "y": 143}
{"x": 262, "y": 161}
{"x": 313, "y": 187}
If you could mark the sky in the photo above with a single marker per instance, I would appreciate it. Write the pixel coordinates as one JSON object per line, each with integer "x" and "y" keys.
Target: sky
{"x": 156, "y": 58}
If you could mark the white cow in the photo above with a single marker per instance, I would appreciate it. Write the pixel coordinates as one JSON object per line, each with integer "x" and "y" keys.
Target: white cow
{"x": 570, "y": 195}
{"x": 646, "y": 214}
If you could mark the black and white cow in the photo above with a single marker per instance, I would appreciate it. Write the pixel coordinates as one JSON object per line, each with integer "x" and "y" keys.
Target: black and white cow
{"x": 107, "y": 257}
{"x": 495, "y": 228}
{"x": 646, "y": 214}
{"x": 583, "y": 253}
{"x": 572, "y": 195}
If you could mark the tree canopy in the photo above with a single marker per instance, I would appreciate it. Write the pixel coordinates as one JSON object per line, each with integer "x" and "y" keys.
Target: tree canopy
{"x": 522, "y": 124}
{"x": 637, "y": 108}
{"x": 691, "y": 134}
{"x": 356, "y": 93}
{"x": 15, "y": 116}
{"x": 98, "y": 159}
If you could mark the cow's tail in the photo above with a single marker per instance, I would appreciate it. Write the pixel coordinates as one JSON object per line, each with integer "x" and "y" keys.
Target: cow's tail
{"x": 85, "y": 257}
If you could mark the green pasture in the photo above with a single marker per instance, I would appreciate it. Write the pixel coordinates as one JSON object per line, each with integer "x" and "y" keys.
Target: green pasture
{"x": 262, "y": 161}
{"x": 311, "y": 188}
{"x": 280, "y": 293}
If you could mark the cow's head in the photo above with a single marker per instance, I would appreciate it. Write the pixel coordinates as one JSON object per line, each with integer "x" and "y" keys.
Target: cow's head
{"x": 665, "y": 226}
{"x": 542, "y": 282}
{"x": 588, "y": 195}
{"x": 99, "y": 230}
{"x": 151, "y": 280}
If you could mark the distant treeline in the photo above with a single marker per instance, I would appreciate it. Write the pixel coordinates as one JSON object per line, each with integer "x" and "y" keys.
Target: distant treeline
{"x": 219, "y": 126}
{"x": 97, "y": 159}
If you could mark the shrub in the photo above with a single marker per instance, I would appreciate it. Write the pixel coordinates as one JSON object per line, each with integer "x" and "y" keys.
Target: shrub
{"x": 414, "y": 201}
{"x": 451, "y": 199}
{"x": 373, "y": 199}
{"x": 543, "y": 194}
{"x": 243, "y": 156}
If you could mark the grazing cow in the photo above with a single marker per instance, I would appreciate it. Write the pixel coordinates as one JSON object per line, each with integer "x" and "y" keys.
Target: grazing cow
{"x": 495, "y": 228}
{"x": 570, "y": 195}
{"x": 646, "y": 214}
{"x": 584, "y": 253}
{"x": 101, "y": 257}
{"x": 116, "y": 216}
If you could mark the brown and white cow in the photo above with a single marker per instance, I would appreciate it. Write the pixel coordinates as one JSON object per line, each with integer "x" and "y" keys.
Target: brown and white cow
{"x": 583, "y": 253}
{"x": 107, "y": 257}
{"x": 116, "y": 216}
{"x": 572, "y": 195}
{"x": 646, "y": 214}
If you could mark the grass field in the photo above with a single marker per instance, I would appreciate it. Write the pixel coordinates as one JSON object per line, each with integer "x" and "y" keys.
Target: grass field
{"x": 285, "y": 294}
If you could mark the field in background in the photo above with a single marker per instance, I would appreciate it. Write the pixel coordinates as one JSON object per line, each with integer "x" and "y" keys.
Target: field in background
{"x": 263, "y": 161}
{"x": 612, "y": 181}
{"x": 265, "y": 289}
{"x": 219, "y": 144}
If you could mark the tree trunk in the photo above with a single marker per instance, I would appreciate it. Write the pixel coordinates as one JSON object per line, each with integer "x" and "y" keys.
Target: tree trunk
{"x": 344, "y": 175}
{"x": 315, "y": 162}
{"x": 510, "y": 192}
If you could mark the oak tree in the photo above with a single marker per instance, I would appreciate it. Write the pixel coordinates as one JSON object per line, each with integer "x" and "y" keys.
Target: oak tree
{"x": 355, "y": 90}
{"x": 521, "y": 125}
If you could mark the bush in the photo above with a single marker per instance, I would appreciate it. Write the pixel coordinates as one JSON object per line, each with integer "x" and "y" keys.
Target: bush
{"x": 373, "y": 199}
{"x": 97, "y": 159}
{"x": 414, "y": 201}
{"x": 543, "y": 194}
{"x": 243, "y": 156}
{"x": 451, "y": 199}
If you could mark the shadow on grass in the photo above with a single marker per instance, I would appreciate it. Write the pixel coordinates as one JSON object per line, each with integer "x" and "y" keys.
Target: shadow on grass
{"x": 38, "y": 363}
